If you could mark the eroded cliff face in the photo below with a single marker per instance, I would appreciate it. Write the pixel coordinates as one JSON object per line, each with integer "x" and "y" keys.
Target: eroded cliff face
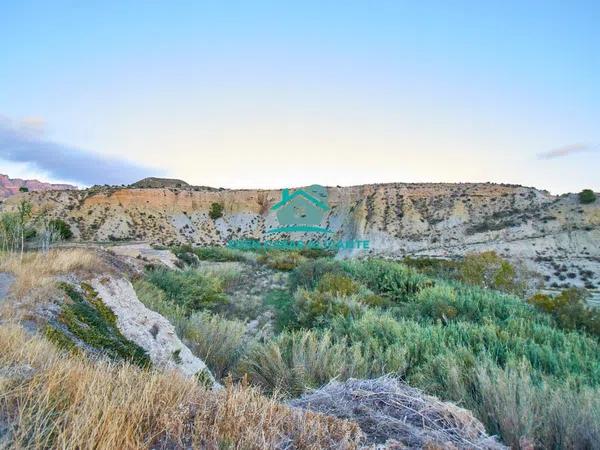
{"x": 11, "y": 186}
{"x": 442, "y": 220}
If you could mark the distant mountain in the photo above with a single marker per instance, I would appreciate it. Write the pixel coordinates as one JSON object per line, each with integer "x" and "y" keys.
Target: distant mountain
{"x": 11, "y": 186}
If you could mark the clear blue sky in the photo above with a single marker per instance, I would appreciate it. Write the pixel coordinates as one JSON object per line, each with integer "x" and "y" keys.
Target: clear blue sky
{"x": 275, "y": 94}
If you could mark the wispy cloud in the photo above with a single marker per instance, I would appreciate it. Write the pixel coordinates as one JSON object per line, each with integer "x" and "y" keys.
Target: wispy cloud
{"x": 568, "y": 150}
{"x": 23, "y": 142}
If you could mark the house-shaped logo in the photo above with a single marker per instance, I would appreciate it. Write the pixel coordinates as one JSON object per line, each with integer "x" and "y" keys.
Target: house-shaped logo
{"x": 301, "y": 210}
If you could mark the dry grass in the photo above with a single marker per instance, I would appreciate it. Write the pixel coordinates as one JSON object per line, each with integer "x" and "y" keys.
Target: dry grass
{"x": 389, "y": 410}
{"x": 51, "y": 400}
{"x": 36, "y": 269}
{"x": 35, "y": 282}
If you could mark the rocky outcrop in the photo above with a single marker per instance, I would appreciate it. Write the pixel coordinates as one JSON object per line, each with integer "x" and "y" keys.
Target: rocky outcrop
{"x": 11, "y": 186}
{"x": 145, "y": 252}
{"x": 148, "y": 329}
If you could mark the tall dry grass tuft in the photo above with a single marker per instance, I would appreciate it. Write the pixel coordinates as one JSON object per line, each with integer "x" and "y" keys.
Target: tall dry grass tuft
{"x": 51, "y": 400}
{"x": 36, "y": 269}
{"x": 34, "y": 283}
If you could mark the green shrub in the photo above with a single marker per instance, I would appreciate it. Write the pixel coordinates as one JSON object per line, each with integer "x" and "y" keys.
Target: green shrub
{"x": 62, "y": 227}
{"x": 189, "y": 289}
{"x": 314, "y": 253}
{"x": 23, "y": 189}
{"x": 338, "y": 284}
{"x": 489, "y": 270}
{"x": 315, "y": 308}
{"x": 285, "y": 260}
{"x": 307, "y": 274}
{"x": 434, "y": 267}
{"x": 395, "y": 281}
{"x": 570, "y": 310}
{"x": 296, "y": 361}
{"x": 216, "y": 211}
{"x": 438, "y": 302}
{"x": 188, "y": 254}
{"x": 587, "y": 196}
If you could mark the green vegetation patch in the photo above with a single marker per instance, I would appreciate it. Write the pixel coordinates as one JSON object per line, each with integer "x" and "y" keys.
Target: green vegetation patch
{"x": 191, "y": 255}
{"x": 284, "y": 260}
{"x": 189, "y": 289}
{"x": 94, "y": 323}
{"x": 587, "y": 196}
{"x": 216, "y": 210}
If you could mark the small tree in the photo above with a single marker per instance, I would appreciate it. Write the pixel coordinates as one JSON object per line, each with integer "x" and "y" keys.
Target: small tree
{"x": 216, "y": 211}
{"x": 9, "y": 231}
{"x": 50, "y": 230}
{"x": 587, "y": 196}
{"x": 23, "y": 214}
{"x": 23, "y": 189}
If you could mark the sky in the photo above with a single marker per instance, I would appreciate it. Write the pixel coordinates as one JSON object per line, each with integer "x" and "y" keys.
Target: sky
{"x": 272, "y": 94}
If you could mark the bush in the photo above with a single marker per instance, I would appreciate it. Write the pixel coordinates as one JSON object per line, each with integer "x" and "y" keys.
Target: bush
{"x": 190, "y": 255}
{"x": 189, "y": 289}
{"x": 315, "y": 308}
{"x": 587, "y": 196}
{"x": 438, "y": 302}
{"x": 307, "y": 274}
{"x": 434, "y": 267}
{"x": 570, "y": 310}
{"x": 314, "y": 253}
{"x": 395, "y": 281}
{"x": 155, "y": 299}
{"x": 296, "y": 361}
{"x": 63, "y": 229}
{"x": 338, "y": 284}
{"x": 489, "y": 270}
{"x": 216, "y": 211}
{"x": 285, "y": 260}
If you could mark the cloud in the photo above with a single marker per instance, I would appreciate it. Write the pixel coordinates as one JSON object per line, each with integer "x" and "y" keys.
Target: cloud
{"x": 568, "y": 150}
{"x": 23, "y": 142}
